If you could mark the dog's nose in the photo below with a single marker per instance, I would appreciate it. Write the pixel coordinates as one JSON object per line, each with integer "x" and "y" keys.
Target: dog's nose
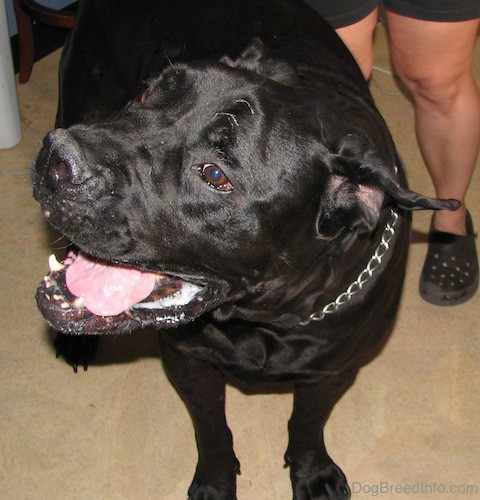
{"x": 62, "y": 160}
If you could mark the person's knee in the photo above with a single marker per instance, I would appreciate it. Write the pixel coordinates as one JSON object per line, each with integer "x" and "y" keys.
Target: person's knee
{"x": 438, "y": 86}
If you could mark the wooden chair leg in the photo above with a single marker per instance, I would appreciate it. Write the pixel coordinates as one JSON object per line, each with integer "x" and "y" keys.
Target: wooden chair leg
{"x": 26, "y": 43}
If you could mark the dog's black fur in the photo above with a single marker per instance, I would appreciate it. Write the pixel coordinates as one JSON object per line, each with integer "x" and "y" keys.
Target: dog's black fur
{"x": 308, "y": 180}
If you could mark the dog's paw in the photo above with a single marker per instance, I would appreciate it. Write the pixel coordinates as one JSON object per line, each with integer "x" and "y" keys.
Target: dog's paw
{"x": 217, "y": 482}
{"x": 207, "y": 492}
{"x": 77, "y": 350}
{"x": 327, "y": 484}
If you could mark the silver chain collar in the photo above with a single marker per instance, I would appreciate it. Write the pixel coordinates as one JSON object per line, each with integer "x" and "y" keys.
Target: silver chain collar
{"x": 363, "y": 277}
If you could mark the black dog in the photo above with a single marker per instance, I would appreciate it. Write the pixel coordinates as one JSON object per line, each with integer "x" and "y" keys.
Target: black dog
{"x": 254, "y": 174}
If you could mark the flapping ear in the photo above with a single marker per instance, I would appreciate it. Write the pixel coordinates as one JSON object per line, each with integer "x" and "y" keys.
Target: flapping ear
{"x": 360, "y": 185}
{"x": 265, "y": 62}
{"x": 409, "y": 200}
{"x": 348, "y": 206}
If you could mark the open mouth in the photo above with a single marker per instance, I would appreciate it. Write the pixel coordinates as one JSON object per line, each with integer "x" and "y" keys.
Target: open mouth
{"x": 86, "y": 296}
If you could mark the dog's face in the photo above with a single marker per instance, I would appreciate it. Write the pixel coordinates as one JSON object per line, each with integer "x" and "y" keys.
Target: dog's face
{"x": 187, "y": 169}
{"x": 218, "y": 176}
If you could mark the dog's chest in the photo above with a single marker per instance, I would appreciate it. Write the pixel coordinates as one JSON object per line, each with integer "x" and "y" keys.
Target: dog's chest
{"x": 260, "y": 354}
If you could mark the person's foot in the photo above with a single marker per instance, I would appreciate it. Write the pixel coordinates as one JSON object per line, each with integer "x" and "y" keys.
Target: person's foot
{"x": 450, "y": 272}
{"x": 453, "y": 222}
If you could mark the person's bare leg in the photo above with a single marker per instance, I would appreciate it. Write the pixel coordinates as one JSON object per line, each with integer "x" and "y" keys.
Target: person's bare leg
{"x": 434, "y": 61}
{"x": 358, "y": 38}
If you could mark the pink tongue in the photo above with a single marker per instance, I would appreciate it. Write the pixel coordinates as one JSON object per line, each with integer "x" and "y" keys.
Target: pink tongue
{"x": 108, "y": 290}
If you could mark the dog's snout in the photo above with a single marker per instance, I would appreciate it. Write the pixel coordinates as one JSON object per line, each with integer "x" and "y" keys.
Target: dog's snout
{"x": 59, "y": 170}
{"x": 62, "y": 157}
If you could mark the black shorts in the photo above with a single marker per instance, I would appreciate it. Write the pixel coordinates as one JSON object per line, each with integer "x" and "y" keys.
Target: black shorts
{"x": 340, "y": 13}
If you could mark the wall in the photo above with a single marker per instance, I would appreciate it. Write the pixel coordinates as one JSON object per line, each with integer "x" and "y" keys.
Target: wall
{"x": 53, "y": 4}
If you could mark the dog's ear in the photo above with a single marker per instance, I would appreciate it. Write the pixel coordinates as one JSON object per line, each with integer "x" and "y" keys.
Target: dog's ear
{"x": 345, "y": 205}
{"x": 265, "y": 62}
{"x": 359, "y": 186}
{"x": 409, "y": 200}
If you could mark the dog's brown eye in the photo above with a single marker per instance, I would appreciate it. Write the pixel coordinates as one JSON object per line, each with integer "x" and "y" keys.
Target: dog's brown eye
{"x": 215, "y": 177}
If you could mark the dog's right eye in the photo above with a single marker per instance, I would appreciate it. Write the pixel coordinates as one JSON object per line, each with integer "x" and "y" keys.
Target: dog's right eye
{"x": 215, "y": 177}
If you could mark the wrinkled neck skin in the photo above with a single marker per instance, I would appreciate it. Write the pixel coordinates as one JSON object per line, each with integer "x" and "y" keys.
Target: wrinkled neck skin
{"x": 301, "y": 282}
{"x": 261, "y": 338}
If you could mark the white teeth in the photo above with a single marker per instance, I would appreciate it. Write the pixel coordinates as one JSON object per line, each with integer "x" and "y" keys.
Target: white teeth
{"x": 182, "y": 297}
{"x": 78, "y": 303}
{"x": 54, "y": 264}
{"x": 65, "y": 305}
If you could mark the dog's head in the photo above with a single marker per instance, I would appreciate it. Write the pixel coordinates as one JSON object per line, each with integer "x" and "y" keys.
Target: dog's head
{"x": 219, "y": 178}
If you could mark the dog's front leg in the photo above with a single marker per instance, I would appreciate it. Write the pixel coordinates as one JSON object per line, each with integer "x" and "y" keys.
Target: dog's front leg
{"x": 202, "y": 388}
{"x": 313, "y": 473}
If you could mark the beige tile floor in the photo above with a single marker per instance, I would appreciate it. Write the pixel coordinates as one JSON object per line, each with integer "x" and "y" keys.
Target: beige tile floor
{"x": 119, "y": 431}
